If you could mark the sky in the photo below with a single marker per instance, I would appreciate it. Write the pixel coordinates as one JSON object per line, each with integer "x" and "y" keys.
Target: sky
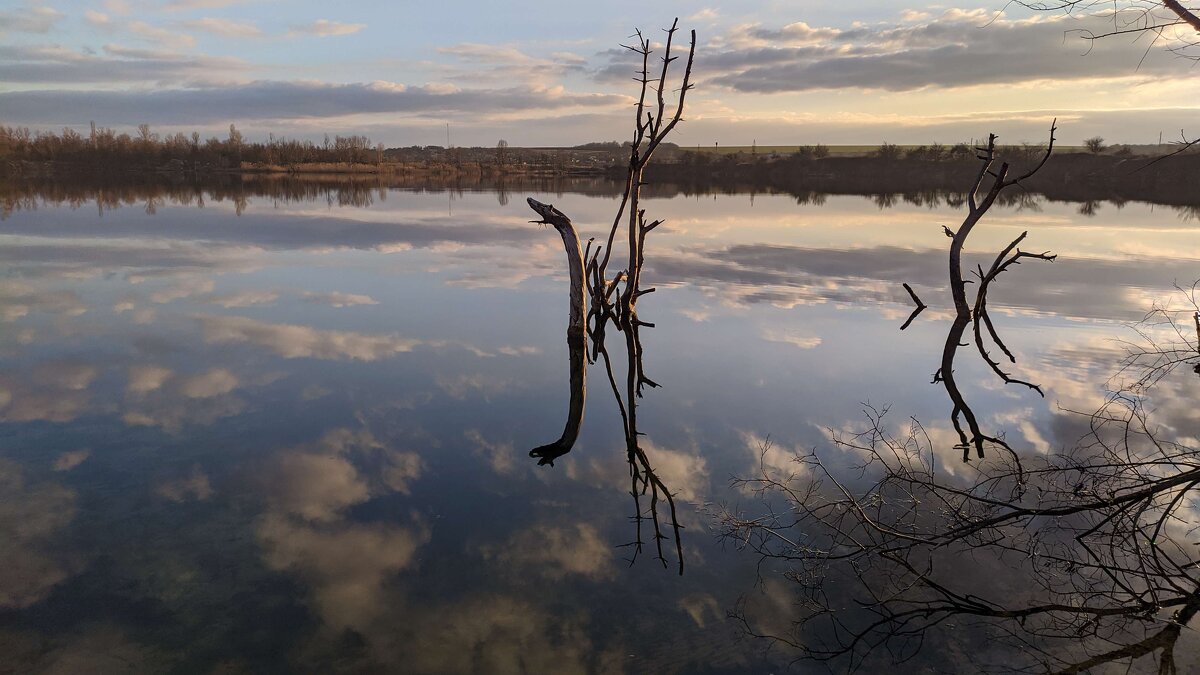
{"x": 538, "y": 73}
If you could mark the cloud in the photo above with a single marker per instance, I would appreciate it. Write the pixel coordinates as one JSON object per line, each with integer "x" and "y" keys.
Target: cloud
{"x": 182, "y": 5}
{"x": 250, "y": 101}
{"x": 327, "y": 28}
{"x": 959, "y": 48}
{"x": 49, "y": 65}
{"x": 29, "y": 19}
{"x": 160, "y": 35}
{"x": 487, "y": 63}
{"x": 97, "y": 19}
{"x": 225, "y": 27}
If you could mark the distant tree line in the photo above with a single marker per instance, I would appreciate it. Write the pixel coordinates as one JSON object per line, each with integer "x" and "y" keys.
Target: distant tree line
{"x": 105, "y": 147}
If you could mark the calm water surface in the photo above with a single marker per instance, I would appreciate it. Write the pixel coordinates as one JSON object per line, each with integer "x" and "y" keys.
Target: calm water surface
{"x": 264, "y": 435}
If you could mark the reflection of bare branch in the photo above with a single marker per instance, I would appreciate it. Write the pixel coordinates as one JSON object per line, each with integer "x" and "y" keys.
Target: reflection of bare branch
{"x": 1093, "y": 563}
{"x": 1095, "y": 555}
{"x": 920, "y": 306}
{"x": 644, "y": 481}
{"x": 1164, "y": 344}
{"x": 588, "y": 273}
{"x": 1006, "y": 259}
{"x": 977, "y": 205}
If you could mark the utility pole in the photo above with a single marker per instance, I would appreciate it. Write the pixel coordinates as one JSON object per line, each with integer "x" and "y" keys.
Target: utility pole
{"x": 447, "y": 135}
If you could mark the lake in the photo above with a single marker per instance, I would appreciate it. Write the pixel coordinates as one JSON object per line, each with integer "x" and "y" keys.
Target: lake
{"x": 287, "y": 429}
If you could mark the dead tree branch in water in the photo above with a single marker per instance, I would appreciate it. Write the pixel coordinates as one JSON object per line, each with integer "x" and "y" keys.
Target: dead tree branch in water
{"x": 979, "y": 200}
{"x": 651, "y": 126}
{"x": 614, "y": 299}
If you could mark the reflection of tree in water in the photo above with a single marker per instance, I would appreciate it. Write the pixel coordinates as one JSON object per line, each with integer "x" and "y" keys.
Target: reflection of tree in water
{"x": 1061, "y": 562}
{"x": 121, "y": 191}
{"x": 614, "y": 300}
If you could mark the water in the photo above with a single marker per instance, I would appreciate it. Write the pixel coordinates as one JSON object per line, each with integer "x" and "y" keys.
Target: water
{"x": 264, "y": 430}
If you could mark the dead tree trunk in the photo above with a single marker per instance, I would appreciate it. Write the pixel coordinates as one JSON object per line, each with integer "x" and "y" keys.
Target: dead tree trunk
{"x": 576, "y": 332}
{"x": 552, "y": 216}
{"x": 977, "y": 205}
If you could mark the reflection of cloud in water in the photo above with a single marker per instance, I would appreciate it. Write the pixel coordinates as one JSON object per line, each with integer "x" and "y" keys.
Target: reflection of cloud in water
{"x": 345, "y": 564}
{"x": 292, "y": 341}
{"x": 286, "y": 231}
{"x": 791, "y": 337}
{"x": 65, "y": 375}
{"x": 498, "y": 634}
{"x": 156, "y": 396}
{"x": 30, "y": 518}
{"x": 556, "y": 552}
{"x": 69, "y": 460}
{"x": 144, "y": 378}
{"x": 336, "y": 299}
{"x": 460, "y": 387}
{"x": 209, "y": 384}
{"x": 54, "y": 392}
{"x": 97, "y": 649}
{"x": 787, "y": 276}
{"x": 500, "y": 456}
{"x": 701, "y": 607}
{"x": 250, "y": 298}
{"x": 193, "y": 487}
{"x": 19, "y": 299}
{"x": 184, "y": 288}
{"x": 686, "y": 474}
{"x": 306, "y": 529}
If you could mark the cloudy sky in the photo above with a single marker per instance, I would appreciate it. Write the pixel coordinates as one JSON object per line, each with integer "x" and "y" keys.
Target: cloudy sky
{"x": 550, "y": 73}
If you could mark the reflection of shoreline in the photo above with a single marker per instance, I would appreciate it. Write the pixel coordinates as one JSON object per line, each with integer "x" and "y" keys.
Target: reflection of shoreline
{"x": 1068, "y": 177}
{"x": 907, "y": 187}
